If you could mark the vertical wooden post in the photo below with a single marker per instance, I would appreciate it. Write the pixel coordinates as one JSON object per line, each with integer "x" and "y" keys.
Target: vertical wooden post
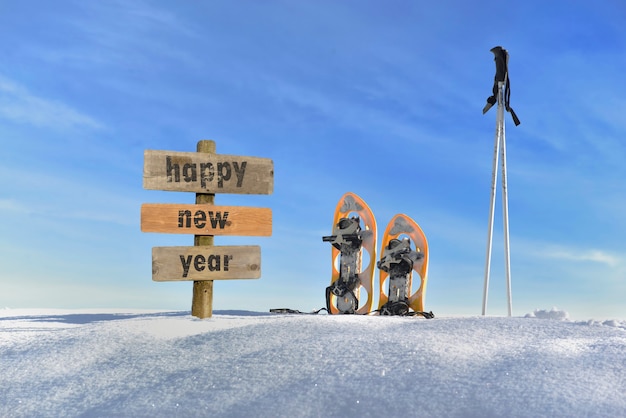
{"x": 202, "y": 302}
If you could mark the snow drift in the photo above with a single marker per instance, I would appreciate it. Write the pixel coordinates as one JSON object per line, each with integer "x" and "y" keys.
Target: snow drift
{"x": 238, "y": 364}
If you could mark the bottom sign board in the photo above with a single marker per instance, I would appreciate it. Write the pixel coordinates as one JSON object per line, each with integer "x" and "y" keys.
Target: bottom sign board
{"x": 206, "y": 263}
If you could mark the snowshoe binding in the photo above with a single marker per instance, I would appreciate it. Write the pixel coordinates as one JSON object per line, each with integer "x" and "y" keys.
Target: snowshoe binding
{"x": 397, "y": 261}
{"x": 350, "y": 241}
{"x": 397, "y": 264}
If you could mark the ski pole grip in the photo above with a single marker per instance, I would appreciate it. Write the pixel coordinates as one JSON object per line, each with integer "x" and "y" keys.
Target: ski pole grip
{"x": 500, "y": 57}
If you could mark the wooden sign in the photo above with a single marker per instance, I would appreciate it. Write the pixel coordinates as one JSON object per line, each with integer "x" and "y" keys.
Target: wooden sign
{"x": 206, "y": 263}
{"x": 206, "y": 219}
{"x": 207, "y": 173}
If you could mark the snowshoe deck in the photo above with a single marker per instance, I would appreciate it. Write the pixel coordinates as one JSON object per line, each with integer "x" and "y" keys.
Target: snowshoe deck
{"x": 404, "y": 251}
{"x": 354, "y": 234}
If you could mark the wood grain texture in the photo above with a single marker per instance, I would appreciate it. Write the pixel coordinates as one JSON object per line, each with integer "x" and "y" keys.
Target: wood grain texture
{"x": 171, "y": 218}
{"x": 202, "y": 297}
{"x": 206, "y": 263}
{"x": 207, "y": 173}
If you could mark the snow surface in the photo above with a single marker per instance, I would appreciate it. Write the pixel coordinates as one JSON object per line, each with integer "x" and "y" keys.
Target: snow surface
{"x": 245, "y": 364}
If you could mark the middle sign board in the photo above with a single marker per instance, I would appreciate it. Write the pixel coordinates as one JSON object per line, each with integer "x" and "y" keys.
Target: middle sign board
{"x": 203, "y": 219}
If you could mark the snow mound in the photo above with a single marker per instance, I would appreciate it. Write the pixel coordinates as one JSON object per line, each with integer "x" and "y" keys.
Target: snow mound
{"x": 238, "y": 364}
{"x": 553, "y": 313}
{"x": 608, "y": 323}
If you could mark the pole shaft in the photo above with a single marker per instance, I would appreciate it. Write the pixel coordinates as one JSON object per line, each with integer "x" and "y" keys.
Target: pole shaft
{"x": 505, "y": 217}
{"x": 202, "y": 301}
{"x": 499, "y": 150}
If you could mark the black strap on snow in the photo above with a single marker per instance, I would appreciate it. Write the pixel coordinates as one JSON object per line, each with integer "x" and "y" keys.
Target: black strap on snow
{"x": 501, "y": 57}
{"x": 401, "y": 308}
{"x": 295, "y": 311}
{"x": 427, "y": 315}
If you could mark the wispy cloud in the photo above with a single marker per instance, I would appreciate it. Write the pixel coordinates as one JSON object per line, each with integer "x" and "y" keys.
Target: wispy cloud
{"x": 580, "y": 255}
{"x": 11, "y": 205}
{"x": 62, "y": 200}
{"x": 121, "y": 34}
{"x": 18, "y": 104}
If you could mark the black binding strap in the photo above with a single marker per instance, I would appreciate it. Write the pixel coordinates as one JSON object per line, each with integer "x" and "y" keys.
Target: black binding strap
{"x": 295, "y": 311}
{"x": 401, "y": 308}
{"x": 427, "y": 315}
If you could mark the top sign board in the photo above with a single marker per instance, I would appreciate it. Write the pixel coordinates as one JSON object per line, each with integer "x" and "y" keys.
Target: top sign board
{"x": 207, "y": 173}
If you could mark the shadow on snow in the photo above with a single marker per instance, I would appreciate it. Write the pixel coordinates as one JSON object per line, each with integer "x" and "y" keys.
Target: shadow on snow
{"x": 89, "y": 318}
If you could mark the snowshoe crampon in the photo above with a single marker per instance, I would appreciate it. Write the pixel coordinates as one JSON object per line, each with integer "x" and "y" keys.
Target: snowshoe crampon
{"x": 353, "y": 239}
{"x": 405, "y": 250}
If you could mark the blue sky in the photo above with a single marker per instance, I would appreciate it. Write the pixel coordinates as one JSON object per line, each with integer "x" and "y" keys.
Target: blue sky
{"x": 382, "y": 99}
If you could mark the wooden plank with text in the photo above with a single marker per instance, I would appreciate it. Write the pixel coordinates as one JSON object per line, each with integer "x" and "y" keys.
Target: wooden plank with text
{"x": 175, "y": 218}
{"x": 207, "y": 173}
{"x": 206, "y": 263}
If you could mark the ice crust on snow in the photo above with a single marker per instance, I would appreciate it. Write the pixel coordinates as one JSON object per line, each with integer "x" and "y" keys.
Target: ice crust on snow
{"x": 168, "y": 364}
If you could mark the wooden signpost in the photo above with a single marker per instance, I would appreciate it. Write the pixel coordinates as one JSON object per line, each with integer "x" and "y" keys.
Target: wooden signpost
{"x": 206, "y": 173}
